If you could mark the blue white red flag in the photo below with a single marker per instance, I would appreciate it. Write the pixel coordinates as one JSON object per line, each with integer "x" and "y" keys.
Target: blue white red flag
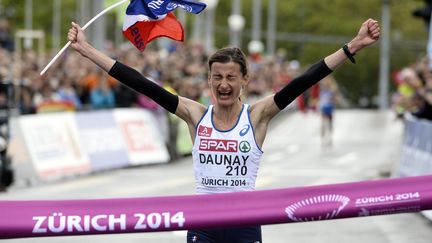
{"x": 149, "y": 19}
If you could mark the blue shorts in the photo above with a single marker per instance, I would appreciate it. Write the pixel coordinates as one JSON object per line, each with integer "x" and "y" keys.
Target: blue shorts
{"x": 327, "y": 110}
{"x": 232, "y": 235}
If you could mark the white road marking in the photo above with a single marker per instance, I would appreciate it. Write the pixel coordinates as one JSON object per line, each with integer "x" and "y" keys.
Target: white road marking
{"x": 345, "y": 159}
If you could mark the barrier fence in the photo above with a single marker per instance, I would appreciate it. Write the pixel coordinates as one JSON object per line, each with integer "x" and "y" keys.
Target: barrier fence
{"x": 416, "y": 154}
{"x": 108, "y": 216}
{"x": 56, "y": 145}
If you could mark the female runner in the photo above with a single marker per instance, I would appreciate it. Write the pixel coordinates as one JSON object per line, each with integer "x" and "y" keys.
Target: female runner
{"x": 228, "y": 135}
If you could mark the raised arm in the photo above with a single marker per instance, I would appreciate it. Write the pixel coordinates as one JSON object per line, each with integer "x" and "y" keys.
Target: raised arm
{"x": 264, "y": 110}
{"x": 187, "y": 109}
{"x": 368, "y": 34}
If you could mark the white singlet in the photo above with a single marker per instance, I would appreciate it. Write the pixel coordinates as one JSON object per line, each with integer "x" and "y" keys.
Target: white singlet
{"x": 225, "y": 161}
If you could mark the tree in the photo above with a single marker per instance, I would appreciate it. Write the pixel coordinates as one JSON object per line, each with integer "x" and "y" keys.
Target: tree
{"x": 331, "y": 17}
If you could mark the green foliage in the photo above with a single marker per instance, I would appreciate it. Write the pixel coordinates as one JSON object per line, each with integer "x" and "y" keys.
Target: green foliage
{"x": 339, "y": 18}
{"x": 318, "y": 17}
{"x": 42, "y": 15}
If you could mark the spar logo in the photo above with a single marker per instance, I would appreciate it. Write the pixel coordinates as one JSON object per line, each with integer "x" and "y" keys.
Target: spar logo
{"x": 244, "y": 146}
{"x": 218, "y": 145}
{"x": 315, "y": 208}
{"x": 204, "y": 131}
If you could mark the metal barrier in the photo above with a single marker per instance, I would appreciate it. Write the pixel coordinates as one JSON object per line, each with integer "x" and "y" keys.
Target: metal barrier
{"x": 416, "y": 155}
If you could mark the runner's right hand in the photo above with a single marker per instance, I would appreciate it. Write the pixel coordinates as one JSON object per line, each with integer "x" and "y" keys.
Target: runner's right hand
{"x": 77, "y": 38}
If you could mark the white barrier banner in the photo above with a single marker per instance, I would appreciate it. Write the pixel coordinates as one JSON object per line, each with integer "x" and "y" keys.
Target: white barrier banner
{"x": 53, "y": 145}
{"x": 102, "y": 140}
{"x": 144, "y": 141}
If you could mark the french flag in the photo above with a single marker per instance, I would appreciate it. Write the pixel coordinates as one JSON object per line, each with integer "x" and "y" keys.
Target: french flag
{"x": 149, "y": 19}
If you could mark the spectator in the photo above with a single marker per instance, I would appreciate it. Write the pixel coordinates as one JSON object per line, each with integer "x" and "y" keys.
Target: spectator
{"x": 5, "y": 37}
{"x": 102, "y": 96}
{"x": 425, "y": 93}
{"x": 45, "y": 94}
{"x": 414, "y": 90}
{"x": 26, "y": 105}
{"x": 124, "y": 96}
{"x": 67, "y": 92}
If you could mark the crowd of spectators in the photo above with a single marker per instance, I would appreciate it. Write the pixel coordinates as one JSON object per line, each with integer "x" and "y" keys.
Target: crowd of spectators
{"x": 73, "y": 83}
{"x": 414, "y": 90}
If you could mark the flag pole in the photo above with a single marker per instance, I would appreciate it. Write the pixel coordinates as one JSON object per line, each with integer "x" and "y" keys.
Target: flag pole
{"x": 83, "y": 28}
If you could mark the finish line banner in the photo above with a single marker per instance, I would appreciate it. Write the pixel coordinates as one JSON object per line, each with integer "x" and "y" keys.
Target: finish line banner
{"x": 19, "y": 219}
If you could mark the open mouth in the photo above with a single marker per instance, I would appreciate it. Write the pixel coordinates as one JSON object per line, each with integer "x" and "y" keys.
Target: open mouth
{"x": 224, "y": 94}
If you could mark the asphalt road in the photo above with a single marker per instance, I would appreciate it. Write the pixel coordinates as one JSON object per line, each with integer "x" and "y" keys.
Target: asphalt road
{"x": 366, "y": 146}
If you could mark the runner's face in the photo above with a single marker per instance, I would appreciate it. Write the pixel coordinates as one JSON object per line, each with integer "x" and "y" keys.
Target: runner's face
{"x": 226, "y": 82}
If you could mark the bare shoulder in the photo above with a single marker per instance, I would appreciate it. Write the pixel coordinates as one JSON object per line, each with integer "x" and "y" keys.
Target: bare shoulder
{"x": 260, "y": 114}
{"x": 190, "y": 111}
{"x": 264, "y": 110}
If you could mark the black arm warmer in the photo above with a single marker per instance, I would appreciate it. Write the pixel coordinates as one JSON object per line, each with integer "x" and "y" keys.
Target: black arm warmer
{"x": 301, "y": 83}
{"x": 134, "y": 80}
